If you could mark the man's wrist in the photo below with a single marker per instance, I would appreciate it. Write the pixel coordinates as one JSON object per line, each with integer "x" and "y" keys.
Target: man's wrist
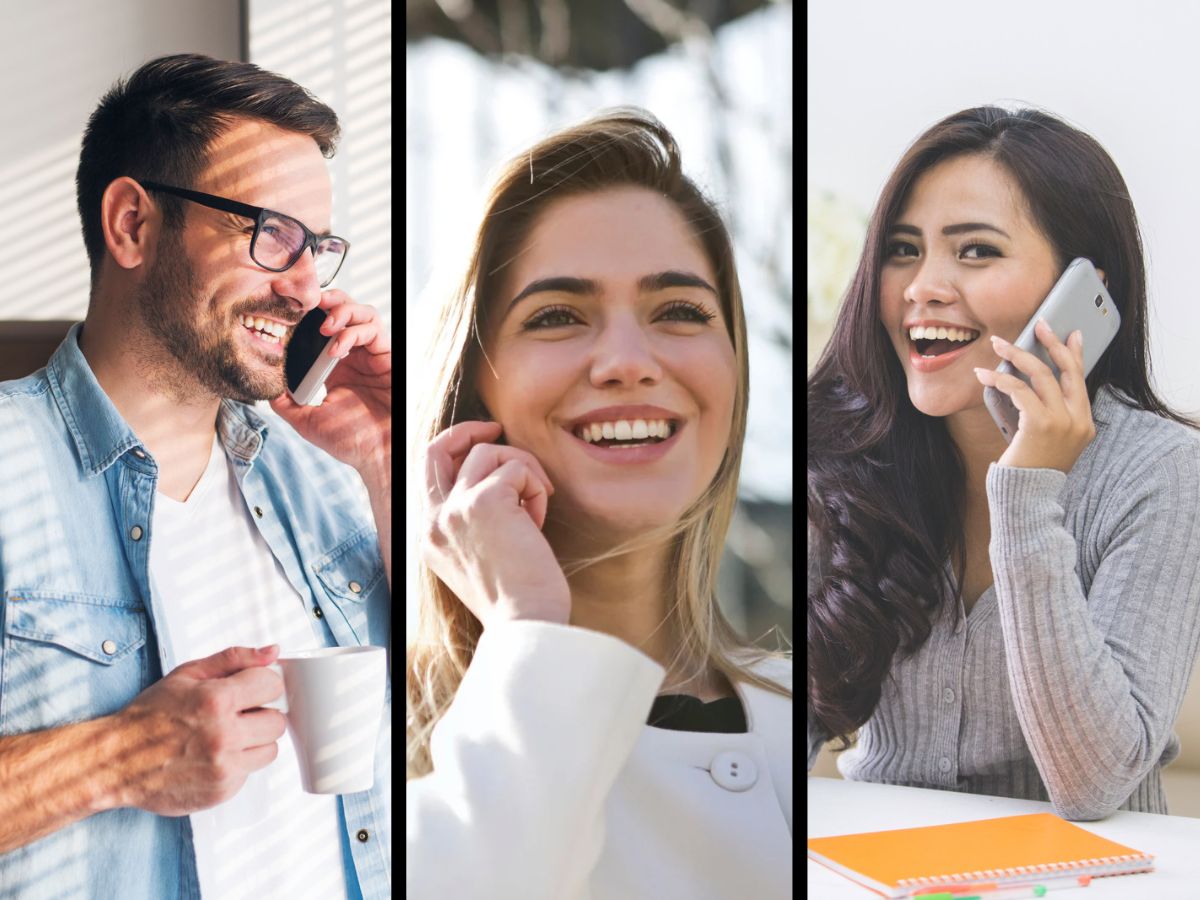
{"x": 376, "y": 472}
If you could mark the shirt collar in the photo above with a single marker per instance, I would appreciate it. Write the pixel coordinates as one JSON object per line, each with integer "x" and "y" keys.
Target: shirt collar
{"x": 101, "y": 436}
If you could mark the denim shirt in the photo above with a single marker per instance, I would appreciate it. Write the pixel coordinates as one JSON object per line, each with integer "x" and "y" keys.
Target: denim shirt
{"x": 77, "y": 617}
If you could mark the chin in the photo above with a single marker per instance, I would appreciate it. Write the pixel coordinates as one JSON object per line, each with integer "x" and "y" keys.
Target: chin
{"x": 943, "y": 402}
{"x": 627, "y": 516}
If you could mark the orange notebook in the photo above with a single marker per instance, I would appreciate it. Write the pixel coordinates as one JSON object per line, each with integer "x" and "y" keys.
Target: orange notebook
{"x": 1008, "y": 849}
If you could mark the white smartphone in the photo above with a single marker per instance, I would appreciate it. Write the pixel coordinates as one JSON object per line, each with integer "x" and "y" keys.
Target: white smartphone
{"x": 1078, "y": 301}
{"x": 306, "y": 364}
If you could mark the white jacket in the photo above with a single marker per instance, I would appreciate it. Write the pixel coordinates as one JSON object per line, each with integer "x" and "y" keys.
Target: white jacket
{"x": 549, "y": 785}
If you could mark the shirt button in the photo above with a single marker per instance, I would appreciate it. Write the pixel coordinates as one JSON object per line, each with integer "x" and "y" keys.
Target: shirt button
{"x": 362, "y": 835}
{"x": 734, "y": 771}
{"x": 258, "y": 511}
{"x": 138, "y": 453}
{"x": 948, "y": 695}
{"x": 944, "y": 764}
{"x": 356, "y": 587}
{"x": 136, "y": 532}
{"x": 317, "y": 612}
{"x": 109, "y": 647}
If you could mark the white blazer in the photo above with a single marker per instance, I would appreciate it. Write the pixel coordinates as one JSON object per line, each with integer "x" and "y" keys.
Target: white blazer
{"x": 549, "y": 785}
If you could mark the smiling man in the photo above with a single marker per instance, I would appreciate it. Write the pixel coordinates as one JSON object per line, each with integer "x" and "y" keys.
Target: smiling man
{"x": 156, "y": 526}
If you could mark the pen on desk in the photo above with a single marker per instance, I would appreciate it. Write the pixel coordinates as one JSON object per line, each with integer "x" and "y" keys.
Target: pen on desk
{"x": 994, "y": 891}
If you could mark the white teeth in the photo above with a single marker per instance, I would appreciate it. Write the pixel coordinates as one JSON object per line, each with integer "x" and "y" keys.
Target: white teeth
{"x": 625, "y": 430}
{"x": 930, "y": 333}
{"x": 271, "y": 331}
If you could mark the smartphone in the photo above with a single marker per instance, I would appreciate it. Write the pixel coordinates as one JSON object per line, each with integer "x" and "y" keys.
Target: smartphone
{"x": 306, "y": 365}
{"x": 1078, "y": 301}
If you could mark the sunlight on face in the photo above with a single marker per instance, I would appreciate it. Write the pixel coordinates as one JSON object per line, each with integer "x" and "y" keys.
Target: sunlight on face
{"x": 606, "y": 339}
{"x": 203, "y": 282}
{"x": 962, "y": 253}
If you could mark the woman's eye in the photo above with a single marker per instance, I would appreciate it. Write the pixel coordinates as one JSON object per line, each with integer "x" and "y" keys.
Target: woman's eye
{"x": 979, "y": 251}
{"x": 683, "y": 311}
{"x": 551, "y": 317}
{"x": 900, "y": 248}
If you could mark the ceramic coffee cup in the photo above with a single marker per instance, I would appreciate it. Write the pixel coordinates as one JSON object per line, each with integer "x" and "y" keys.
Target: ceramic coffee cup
{"x": 333, "y": 700}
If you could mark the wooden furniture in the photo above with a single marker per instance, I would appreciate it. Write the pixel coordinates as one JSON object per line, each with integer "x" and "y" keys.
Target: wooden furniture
{"x": 26, "y": 346}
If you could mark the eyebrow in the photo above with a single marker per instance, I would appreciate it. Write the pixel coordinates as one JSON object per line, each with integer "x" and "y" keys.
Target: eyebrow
{"x": 949, "y": 230}
{"x": 585, "y": 287}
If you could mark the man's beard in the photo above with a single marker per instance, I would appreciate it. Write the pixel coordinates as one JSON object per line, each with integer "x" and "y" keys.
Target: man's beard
{"x": 206, "y": 351}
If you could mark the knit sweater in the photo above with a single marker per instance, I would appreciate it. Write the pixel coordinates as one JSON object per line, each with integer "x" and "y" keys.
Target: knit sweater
{"x": 1064, "y": 681}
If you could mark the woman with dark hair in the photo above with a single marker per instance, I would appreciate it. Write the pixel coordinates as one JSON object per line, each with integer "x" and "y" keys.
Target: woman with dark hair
{"x": 1016, "y": 619}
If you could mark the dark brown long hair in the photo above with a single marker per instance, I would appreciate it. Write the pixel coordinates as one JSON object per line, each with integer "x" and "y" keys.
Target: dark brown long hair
{"x": 885, "y": 481}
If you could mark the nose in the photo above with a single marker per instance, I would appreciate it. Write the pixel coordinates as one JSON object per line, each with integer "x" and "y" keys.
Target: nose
{"x": 932, "y": 282}
{"x": 300, "y": 282}
{"x": 623, "y": 355}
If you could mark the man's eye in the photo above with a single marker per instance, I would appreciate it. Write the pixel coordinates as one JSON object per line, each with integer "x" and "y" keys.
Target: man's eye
{"x": 982, "y": 251}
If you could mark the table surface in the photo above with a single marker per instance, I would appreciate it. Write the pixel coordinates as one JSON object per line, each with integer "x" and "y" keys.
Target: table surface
{"x": 837, "y": 806}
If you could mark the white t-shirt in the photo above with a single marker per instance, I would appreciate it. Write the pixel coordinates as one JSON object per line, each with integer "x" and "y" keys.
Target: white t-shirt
{"x": 218, "y": 585}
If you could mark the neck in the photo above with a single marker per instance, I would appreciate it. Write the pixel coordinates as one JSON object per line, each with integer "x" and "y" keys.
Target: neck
{"x": 627, "y": 597}
{"x": 980, "y": 444}
{"x": 171, "y": 416}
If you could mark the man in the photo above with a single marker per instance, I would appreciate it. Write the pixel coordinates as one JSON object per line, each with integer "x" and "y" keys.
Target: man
{"x": 153, "y": 521}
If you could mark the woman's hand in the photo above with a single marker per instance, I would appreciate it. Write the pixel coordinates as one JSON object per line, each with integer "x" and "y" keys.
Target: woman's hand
{"x": 1055, "y": 423}
{"x": 486, "y": 504}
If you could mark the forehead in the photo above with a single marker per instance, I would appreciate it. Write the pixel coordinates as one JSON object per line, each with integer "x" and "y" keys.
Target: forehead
{"x": 264, "y": 165}
{"x": 966, "y": 188}
{"x": 614, "y": 237}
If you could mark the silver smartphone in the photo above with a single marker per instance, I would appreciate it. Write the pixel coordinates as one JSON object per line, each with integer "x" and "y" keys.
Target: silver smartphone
{"x": 306, "y": 365}
{"x": 1078, "y": 301}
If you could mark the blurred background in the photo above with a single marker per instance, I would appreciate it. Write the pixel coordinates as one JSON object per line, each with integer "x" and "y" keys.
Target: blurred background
{"x": 484, "y": 80}
{"x": 59, "y": 56}
{"x": 880, "y": 74}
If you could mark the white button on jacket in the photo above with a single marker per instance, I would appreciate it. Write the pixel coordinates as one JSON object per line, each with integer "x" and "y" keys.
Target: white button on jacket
{"x": 549, "y": 785}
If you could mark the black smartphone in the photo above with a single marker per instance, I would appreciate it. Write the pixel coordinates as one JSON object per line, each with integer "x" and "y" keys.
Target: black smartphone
{"x": 306, "y": 364}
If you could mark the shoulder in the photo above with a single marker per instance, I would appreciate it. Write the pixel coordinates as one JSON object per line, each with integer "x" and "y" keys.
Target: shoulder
{"x": 22, "y": 390}
{"x": 773, "y": 668}
{"x": 1140, "y": 464}
{"x": 1133, "y": 445}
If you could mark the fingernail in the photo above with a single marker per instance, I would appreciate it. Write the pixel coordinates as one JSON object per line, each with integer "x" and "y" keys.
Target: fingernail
{"x": 267, "y": 649}
{"x": 996, "y": 339}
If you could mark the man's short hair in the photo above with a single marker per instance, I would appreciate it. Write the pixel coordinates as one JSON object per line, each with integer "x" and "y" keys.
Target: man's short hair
{"x": 159, "y": 124}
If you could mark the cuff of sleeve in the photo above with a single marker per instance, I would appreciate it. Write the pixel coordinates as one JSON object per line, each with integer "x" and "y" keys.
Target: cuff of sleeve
{"x": 1021, "y": 501}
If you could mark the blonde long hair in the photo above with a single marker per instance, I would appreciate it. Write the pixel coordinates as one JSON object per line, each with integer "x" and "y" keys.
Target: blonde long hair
{"x": 622, "y": 147}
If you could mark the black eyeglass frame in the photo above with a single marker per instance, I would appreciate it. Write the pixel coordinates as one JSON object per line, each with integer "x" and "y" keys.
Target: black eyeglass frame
{"x": 259, "y": 214}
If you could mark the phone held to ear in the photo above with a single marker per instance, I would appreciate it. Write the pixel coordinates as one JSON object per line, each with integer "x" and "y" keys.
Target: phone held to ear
{"x": 1078, "y": 301}
{"x": 306, "y": 365}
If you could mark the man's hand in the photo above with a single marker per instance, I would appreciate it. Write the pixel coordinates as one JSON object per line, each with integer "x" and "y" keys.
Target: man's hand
{"x": 353, "y": 424}
{"x": 191, "y": 739}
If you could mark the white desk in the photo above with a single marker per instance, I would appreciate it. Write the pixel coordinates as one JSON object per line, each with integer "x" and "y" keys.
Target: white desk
{"x": 845, "y": 807}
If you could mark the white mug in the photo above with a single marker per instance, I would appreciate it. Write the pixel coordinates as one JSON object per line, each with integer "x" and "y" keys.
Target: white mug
{"x": 333, "y": 699}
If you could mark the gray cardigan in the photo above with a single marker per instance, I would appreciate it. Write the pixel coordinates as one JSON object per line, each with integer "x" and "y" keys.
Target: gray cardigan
{"x": 1065, "y": 680}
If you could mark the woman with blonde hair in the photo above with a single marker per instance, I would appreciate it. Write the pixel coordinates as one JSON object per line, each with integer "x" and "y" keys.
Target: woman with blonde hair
{"x": 582, "y": 721}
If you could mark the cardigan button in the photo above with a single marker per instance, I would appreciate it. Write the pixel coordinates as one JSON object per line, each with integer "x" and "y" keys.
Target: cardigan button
{"x": 734, "y": 771}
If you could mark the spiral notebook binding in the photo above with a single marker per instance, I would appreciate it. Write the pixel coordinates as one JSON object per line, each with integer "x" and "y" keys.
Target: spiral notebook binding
{"x": 1143, "y": 861}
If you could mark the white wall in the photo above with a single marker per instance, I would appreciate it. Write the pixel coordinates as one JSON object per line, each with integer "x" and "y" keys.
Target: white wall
{"x": 880, "y": 73}
{"x": 57, "y": 57}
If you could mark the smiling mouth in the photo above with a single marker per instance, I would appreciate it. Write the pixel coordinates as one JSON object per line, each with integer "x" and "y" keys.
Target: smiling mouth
{"x": 931, "y": 348}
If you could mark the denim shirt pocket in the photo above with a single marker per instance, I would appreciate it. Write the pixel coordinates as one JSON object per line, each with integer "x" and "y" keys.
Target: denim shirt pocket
{"x": 351, "y": 573}
{"x": 68, "y": 657}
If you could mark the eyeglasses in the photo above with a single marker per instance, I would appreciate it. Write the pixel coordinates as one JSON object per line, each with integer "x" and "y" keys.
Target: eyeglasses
{"x": 278, "y": 240}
